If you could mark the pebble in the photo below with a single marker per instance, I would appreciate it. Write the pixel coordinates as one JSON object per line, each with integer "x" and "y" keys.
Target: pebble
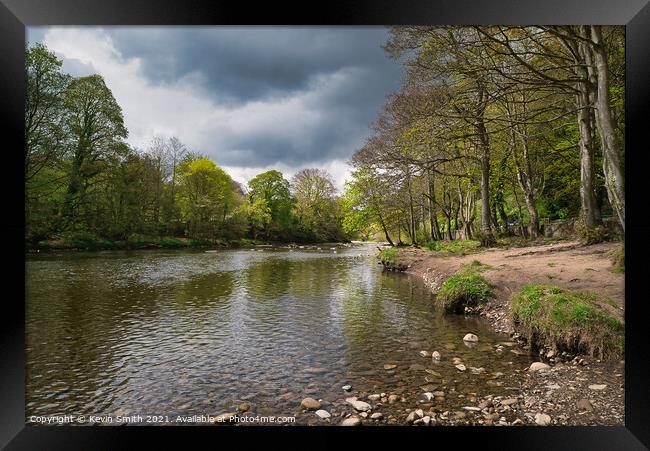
{"x": 425, "y": 354}
{"x": 374, "y": 397}
{"x": 435, "y": 355}
{"x": 347, "y": 387}
{"x": 310, "y": 404}
{"x": 471, "y": 338}
{"x": 585, "y": 404}
{"x": 376, "y": 416}
{"x": 360, "y": 405}
{"x": 389, "y": 366}
{"x": 460, "y": 367}
{"x": 351, "y": 421}
{"x": 426, "y": 420}
{"x": 429, "y": 396}
{"x": 538, "y": 366}
{"x": 244, "y": 407}
{"x": 597, "y": 386}
{"x": 542, "y": 419}
{"x": 392, "y": 398}
{"x": 509, "y": 402}
{"x": 323, "y": 414}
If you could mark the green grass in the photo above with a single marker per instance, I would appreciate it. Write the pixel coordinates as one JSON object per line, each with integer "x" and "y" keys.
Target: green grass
{"x": 466, "y": 288}
{"x": 560, "y": 319}
{"x": 388, "y": 255}
{"x": 455, "y": 247}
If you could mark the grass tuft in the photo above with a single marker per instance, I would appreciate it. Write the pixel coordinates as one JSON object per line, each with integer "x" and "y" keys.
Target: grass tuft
{"x": 466, "y": 288}
{"x": 564, "y": 320}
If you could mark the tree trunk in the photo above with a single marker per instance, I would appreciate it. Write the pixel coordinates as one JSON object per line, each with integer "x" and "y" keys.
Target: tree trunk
{"x": 611, "y": 152}
{"x": 433, "y": 221}
{"x": 587, "y": 173}
{"x": 487, "y": 238}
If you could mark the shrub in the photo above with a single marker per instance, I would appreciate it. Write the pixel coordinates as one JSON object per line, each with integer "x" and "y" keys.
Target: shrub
{"x": 563, "y": 320}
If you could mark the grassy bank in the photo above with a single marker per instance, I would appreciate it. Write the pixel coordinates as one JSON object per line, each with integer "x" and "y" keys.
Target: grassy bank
{"x": 466, "y": 288}
{"x": 556, "y": 318}
{"x": 90, "y": 242}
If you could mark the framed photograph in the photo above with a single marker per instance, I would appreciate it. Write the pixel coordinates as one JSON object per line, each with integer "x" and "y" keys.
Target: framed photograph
{"x": 343, "y": 222}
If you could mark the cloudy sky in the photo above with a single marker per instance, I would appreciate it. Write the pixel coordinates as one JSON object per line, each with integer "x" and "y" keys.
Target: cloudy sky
{"x": 250, "y": 98}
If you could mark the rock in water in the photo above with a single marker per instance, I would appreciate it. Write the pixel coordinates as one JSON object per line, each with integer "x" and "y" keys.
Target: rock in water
{"x": 310, "y": 404}
{"x": 542, "y": 419}
{"x": 538, "y": 366}
{"x": 460, "y": 367}
{"x": 376, "y": 416}
{"x": 347, "y": 387}
{"x": 360, "y": 406}
{"x": 389, "y": 366}
{"x": 424, "y": 353}
{"x": 374, "y": 397}
{"x": 244, "y": 407}
{"x": 585, "y": 404}
{"x": 435, "y": 355}
{"x": 471, "y": 338}
{"x": 323, "y": 414}
{"x": 351, "y": 421}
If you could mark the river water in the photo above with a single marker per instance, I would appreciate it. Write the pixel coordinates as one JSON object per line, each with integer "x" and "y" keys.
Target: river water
{"x": 185, "y": 332}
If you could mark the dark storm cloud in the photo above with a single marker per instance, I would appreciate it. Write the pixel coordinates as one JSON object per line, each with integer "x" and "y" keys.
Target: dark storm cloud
{"x": 322, "y": 86}
{"x": 251, "y": 63}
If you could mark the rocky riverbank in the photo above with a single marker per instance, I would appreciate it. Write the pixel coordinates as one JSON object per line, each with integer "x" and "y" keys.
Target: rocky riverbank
{"x": 570, "y": 389}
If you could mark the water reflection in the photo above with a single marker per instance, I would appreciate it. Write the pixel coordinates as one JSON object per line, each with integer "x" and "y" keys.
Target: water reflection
{"x": 185, "y": 332}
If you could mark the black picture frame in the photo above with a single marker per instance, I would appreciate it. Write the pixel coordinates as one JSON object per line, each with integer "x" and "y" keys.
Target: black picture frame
{"x": 15, "y": 15}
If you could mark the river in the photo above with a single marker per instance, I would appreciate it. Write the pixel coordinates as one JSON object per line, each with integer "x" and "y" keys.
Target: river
{"x": 184, "y": 332}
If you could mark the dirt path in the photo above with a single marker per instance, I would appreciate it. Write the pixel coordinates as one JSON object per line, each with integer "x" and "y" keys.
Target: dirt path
{"x": 567, "y": 265}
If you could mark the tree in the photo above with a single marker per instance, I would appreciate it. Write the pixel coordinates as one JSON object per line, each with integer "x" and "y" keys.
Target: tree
{"x": 272, "y": 188}
{"x": 207, "y": 197}
{"x": 95, "y": 124}
{"x": 315, "y": 204}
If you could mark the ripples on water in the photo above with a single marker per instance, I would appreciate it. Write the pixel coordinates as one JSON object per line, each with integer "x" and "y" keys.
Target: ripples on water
{"x": 192, "y": 332}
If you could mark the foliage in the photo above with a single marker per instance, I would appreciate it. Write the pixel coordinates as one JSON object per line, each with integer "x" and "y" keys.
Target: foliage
{"x": 564, "y": 320}
{"x": 456, "y": 247}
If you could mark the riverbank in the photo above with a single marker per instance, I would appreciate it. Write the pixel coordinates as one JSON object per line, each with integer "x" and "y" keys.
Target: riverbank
{"x": 575, "y": 389}
{"x": 146, "y": 243}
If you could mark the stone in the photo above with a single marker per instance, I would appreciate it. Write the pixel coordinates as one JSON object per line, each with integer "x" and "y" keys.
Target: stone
{"x": 323, "y": 414}
{"x": 435, "y": 355}
{"x": 456, "y": 360}
{"x": 550, "y": 354}
{"x": 585, "y": 404}
{"x": 425, "y": 354}
{"x": 509, "y": 402}
{"x": 310, "y": 404}
{"x": 471, "y": 338}
{"x": 429, "y": 396}
{"x": 351, "y": 421}
{"x": 433, "y": 373}
{"x": 392, "y": 398}
{"x": 377, "y": 416}
{"x": 244, "y": 407}
{"x": 472, "y": 409}
{"x": 364, "y": 414}
{"x": 374, "y": 397}
{"x": 538, "y": 366}
{"x": 439, "y": 394}
{"x": 479, "y": 370}
{"x": 597, "y": 386}
{"x": 347, "y": 387}
{"x": 360, "y": 406}
{"x": 416, "y": 367}
{"x": 389, "y": 366}
{"x": 460, "y": 367}
{"x": 426, "y": 420}
{"x": 542, "y": 419}
{"x": 419, "y": 413}
{"x": 351, "y": 399}
{"x": 225, "y": 418}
